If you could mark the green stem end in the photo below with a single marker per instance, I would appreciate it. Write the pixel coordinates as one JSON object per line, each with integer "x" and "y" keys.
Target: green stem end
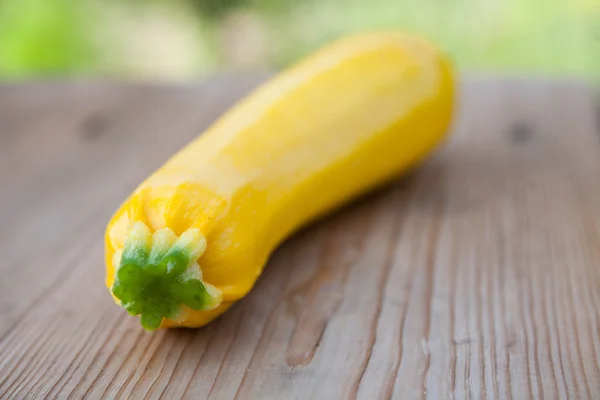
{"x": 159, "y": 272}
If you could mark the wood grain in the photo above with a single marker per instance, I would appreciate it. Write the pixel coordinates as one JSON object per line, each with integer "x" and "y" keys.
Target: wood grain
{"x": 477, "y": 276}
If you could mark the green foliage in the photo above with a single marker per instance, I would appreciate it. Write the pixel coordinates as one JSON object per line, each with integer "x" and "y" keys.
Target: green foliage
{"x": 555, "y": 37}
{"x": 216, "y": 8}
{"x": 551, "y": 37}
{"x": 42, "y": 37}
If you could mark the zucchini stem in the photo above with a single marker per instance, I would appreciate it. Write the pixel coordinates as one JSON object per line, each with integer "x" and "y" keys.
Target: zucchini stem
{"x": 158, "y": 273}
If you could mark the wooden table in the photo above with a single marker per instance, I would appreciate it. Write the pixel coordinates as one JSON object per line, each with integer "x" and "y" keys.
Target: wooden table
{"x": 477, "y": 276}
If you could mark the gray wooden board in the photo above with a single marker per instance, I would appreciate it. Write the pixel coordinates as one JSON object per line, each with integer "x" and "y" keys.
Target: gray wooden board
{"x": 475, "y": 276}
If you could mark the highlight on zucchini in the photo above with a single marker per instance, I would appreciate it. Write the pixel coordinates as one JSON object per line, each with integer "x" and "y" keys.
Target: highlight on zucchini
{"x": 193, "y": 238}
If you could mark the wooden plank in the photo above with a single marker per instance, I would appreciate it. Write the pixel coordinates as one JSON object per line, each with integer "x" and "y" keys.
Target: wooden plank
{"x": 474, "y": 277}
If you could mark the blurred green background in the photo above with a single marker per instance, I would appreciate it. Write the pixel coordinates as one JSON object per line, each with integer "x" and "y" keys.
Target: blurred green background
{"x": 183, "y": 39}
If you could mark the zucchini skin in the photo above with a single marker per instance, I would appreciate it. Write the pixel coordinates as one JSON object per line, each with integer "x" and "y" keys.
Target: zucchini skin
{"x": 349, "y": 118}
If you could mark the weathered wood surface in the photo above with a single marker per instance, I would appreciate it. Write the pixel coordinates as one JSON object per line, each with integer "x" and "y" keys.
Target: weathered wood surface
{"x": 477, "y": 276}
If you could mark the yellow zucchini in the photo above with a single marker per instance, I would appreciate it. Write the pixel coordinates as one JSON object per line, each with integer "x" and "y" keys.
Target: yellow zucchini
{"x": 195, "y": 235}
